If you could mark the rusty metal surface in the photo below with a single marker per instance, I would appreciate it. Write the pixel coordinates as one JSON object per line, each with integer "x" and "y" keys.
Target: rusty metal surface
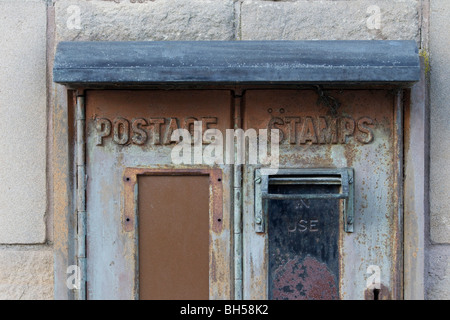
{"x": 416, "y": 128}
{"x": 173, "y": 237}
{"x": 362, "y": 136}
{"x": 139, "y": 125}
{"x": 129, "y": 130}
{"x": 62, "y": 188}
{"x": 63, "y": 185}
{"x": 130, "y": 185}
{"x": 378, "y": 294}
{"x": 396, "y": 288}
{"x": 303, "y": 244}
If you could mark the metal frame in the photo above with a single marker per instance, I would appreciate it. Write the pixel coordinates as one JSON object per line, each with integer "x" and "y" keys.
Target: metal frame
{"x": 416, "y": 183}
{"x": 130, "y": 212}
{"x": 342, "y": 177}
{"x": 397, "y": 291}
{"x": 237, "y": 204}
{"x": 65, "y": 164}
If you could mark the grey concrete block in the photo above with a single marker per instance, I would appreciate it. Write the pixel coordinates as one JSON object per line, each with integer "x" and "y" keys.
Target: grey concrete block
{"x": 438, "y": 274}
{"x": 439, "y": 119}
{"x": 26, "y": 275}
{"x": 23, "y": 121}
{"x": 149, "y": 20}
{"x": 330, "y": 20}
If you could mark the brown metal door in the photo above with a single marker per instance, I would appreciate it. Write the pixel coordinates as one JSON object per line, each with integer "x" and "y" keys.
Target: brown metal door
{"x": 304, "y": 250}
{"x": 173, "y": 237}
{"x": 156, "y": 230}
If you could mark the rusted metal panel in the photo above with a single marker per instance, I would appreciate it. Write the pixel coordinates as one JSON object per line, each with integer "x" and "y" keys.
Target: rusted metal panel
{"x": 62, "y": 201}
{"x": 397, "y": 228}
{"x": 237, "y": 205}
{"x": 382, "y": 293}
{"x": 361, "y": 129}
{"x": 416, "y": 128}
{"x": 130, "y": 179}
{"x": 128, "y": 135}
{"x": 303, "y": 244}
{"x": 334, "y": 129}
{"x": 80, "y": 117}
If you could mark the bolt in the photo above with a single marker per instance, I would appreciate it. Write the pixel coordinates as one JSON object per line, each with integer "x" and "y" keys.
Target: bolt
{"x": 258, "y": 220}
{"x": 258, "y": 180}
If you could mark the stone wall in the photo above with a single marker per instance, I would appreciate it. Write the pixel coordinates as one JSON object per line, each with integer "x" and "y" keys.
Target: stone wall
{"x": 26, "y": 259}
{"x": 29, "y": 27}
{"x": 438, "y": 271}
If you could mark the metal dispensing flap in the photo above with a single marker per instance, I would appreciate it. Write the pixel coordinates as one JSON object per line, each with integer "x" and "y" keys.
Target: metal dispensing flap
{"x": 342, "y": 177}
{"x": 236, "y": 62}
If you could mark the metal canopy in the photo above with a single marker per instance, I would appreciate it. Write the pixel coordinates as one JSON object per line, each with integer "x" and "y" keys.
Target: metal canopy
{"x": 237, "y": 62}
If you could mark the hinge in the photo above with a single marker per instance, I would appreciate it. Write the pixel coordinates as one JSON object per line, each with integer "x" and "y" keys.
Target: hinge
{"x": 81, "y": 194}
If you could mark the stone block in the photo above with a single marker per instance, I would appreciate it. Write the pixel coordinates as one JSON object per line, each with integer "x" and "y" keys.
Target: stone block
{"x": 438, "y": 275}
{"x": 439, "y": 119}
{"x": 125, "y": 20}
{"x": 26, "y": 275}
{"x": 330, "y": 20}
{"x": 23, "y": 121}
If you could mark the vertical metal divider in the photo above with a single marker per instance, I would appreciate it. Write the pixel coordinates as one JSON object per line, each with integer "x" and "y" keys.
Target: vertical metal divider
{"x": 80, "y": 293}
{"x": 136, "y": 238}
{"x": 349, "y": 203}
{"x": 237, "y": 196}
{"x": 397, "y": 291}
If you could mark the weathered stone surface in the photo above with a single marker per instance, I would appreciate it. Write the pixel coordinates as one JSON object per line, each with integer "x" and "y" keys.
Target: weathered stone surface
{"x": 150, "y": 20}
{"x": 438, "y": 277}
{"x": 26, "y": 275}
{"x": 439, "y": 118}
{"x": 330, "y": 20}
{"x": 23, "y": 121}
